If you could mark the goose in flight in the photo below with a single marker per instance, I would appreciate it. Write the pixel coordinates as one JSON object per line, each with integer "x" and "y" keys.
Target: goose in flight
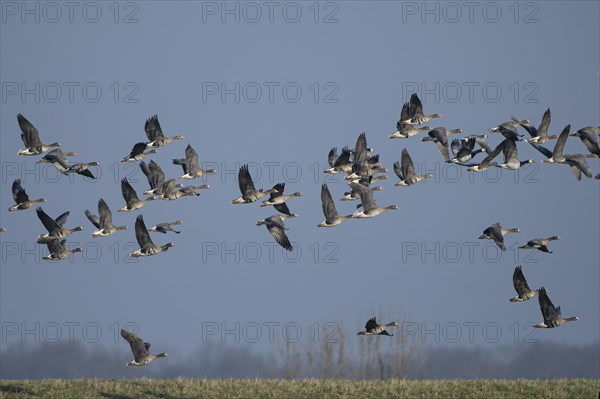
{"x": 486, "y": 163}
{"x": 190, "y": 165}
{"x": 58, "y": 159}
{"x": 539, "y": 244}
{"x": 552, "y": 315}
{"x": 589, "y": 139}
{"x": 520, "y": 284}
{"x": 147, "y": 247}
{"x": 511, "y": 124}
{"x": 54, "y": 226}
{"x": 339, "y": 163}
{"x": 132, "y": 202}
{"x": 415, "y": 112}
{"x": 480, "y": 140}
{"x": 31, "y": 138}
{"x": 278, "y": 199}
{"x": 249, "y": 192}
{"x": 277, "y": 229}
{"x": 405, "y": 170}
{"x": 137, "y": 152}
{"x": 165, "y": 227}
{"x": 139, "y": 348}
{"x": 365, "y": 181}
{"x": 370, "y": 208}
{"x": 372, "y": 328}
{"x": 155, "y": 176}
{"x": 332, "y": 217}
{"x": 439, "y": 136}
{"x": 21, "y": 198}
{"x": 103, "y": 222}
{"x": 155, "y": 135}
{"x": 539, "y": 135}
{"x": 57, "y": 250}
{"x": 496, "y": 232}
{"x": 171, "y": 192}
{"x": 463, "y": 151}
{"x": 511, "y": 157}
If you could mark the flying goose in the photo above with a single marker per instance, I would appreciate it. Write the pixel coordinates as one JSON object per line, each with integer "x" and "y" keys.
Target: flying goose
{"x": 440, "y": 137}
{"x": 332, "y": 218}
{"x": 540, "y": 244}
{"x": 155, "y": 135}
{"x": 365, "y": 181}
{"x": 405, "y": 170}
{"x": 147, "y": 247}
{"x": 170, "y": 192}
{"x": 31, "y": 138}
{"x": 552, "y": 315}
{"x": 496, "y": 232}
{"x": 249, "y": 192}
{"x": 339, "y": 163}
{"x": 137, "y": 152}
{"x": 2, "y": 229}
{"x": 131, "y": 199}
{"x": 190, "y": 165}
{"x": 21, "y": 198}
{"x": 557, "y": 154}
{"x": 372, "y": 328}
{"x": 58, "y": 159}
{"x": 520, "y": 284}
{"x": 510, "y": 133}
{"x": 415, "y": 112}
{"x": 103, "y": 222}
{"x": 511, "y": 124}
{"x": 57, "y": 250}
{"x": 155, "y": 176}
{"x": 277, "y": 229}
{"x": 55, "y": 227}
{"x": 486, "y": 163}
{"x": 481, "y": 141}
{"x": 463, "y": 151}
{"x": 370, "y": 208}
{"x": 511, "y": 159}
{"x": 539, "y": 135}
{"x": 589, "y": 139}
{"x": 139, "y": 348}
{"x": 165, "y": 227}
{"x": 278, "y": 199}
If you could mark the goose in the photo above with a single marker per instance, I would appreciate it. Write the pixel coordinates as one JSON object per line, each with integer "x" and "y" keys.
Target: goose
{"x": 191, "y": 168}
{"x": 278, "y": 199}
{"x": 496, "y": 232}
{"x": 463, "y": 150}
{"x": 139, "y": 348}
{"x": 165, "y": 227}
{"x": 486, "y": 163}
{"x": 510, "y": 133}
{"x": 364, "y": 169}
{"x": 415, "y": 112}
{"x": 155, "y": 135}
{"x": 440, "y": 137}
{"x": 131, "y": 199}
{"x": 579, "y": 165}
{"x": 31, "y": 138}
{"x": 405, "y": 170}
{"x": 249, "y": 192}
{"x": 171, "y": 192}
{"x": 539, "y": 135}
{"x": 589, "y": 139}
{"x": 21, "y": 198}
{"x": 365, "y": 181}
{"x": 332, "y": 218}
{"x": 539, "y": 244}
{"x": 557, "y": 153}
{"x": 511, "y": 124}
{"x": 103, "y": 223}
{"x": 511, "y": 160}
{"x": 58, "y": 159}
{"x": 481, "y": 141}
{"x": 57, "y": 250}
{"x": 577, "y": 162}
{"x": 2, "y": 229}
{"x": 370, "y": 208}
{"x": 137, "y": 152}
{"x": 339, "y": 163}
{"x": 597, "y": 177}
{"x": 277, "y": 228}
{"x": 155, "y": 176}
{"x": 55, "y": 227}
{"x": 372, "y": 328}
{"x": 147, "y": 247}
{"x": 552, "y": 315}
{"x": 520, "y": 284}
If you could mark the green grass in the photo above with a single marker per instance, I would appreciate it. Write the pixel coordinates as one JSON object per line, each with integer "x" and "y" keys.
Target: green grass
{"x": 196, "y": 388}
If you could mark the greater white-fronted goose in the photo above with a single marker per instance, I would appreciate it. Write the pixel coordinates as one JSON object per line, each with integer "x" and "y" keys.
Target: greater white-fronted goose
{"x": 171, "y": 192}
{"x": 155, "y": 135}
{"x": 137, "y": 152}
{"x": 496, "y": 232}
{"x": 103, "y": 223}
{"x": 165, "y": 227}
{"x": 520, "y": 284}
{"x": 405, "y": 130}
{"x": 190, "y": 165}
{"x": 511, "y": 124}
{"x": 131, "y": 199}
{"x": 278, "y": 199}
{"x": 58, "y": 159}
{"x": 539, "y": 244}
{"x": 372, "y": 328}
{"x": 552, "y": 315}
{"x": 31, "y": 138}
{"x": 365, "y": 181}
{"x": 277, "y": 229}
{"x": 332, "y": 217}
{"x": 415, "y": 112}
{"x": 370, "y": 208}
{"x": 147, "y": 247}
{"x": 139, "y": 348}
{"x": 57, "y": 250}
{"x": 463, "y": 151}
{"x": 405, "y": 170}
{"x": 339, "y": 163}
{"x": 577, "y": 162}
{"x": 539, "y": 135}
{"x": 589, "y": 138}
{"x": 21, "y": 198}
{"x": 511, "y": 157}
{"x": 55, "y": 228}
{"x": 249, "y": 192}
{"x": 486, "y": 163}
{"x": 155, "y": 176}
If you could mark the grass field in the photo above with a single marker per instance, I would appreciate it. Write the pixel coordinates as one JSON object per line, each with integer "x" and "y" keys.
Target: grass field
{"x": 195, "y": 388}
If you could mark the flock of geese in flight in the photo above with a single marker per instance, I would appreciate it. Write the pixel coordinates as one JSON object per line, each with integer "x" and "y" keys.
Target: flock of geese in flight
{"x": 360, "y": 166}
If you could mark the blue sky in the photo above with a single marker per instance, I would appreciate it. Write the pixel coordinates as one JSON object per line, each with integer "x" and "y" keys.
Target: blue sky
{"x": 330, "y": 81}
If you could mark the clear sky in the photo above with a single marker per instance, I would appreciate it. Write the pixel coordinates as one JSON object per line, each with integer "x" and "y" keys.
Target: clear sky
{"x": 277, "y": 85}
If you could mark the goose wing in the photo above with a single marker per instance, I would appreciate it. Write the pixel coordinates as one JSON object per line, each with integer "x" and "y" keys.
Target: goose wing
{"x": 141, "y": 232}
{"x": 56, "y": 245}
{"x": 519, "y": 282}
{"x": 245, "y": 180}
{"x": 49, "y": 223}
{"x": 18, "y": 192}
{"x": 366, "y": 196}
{"x": 278, "y": 190}
{"x": 277, "y": 229}
{"x": 408, "y": 168}
{"x": 62, "y": 218}
{"x": 29, "y": 134}
{"x": 416, "y": 107}
{"x": 138, "y": 347}
{"x": 105, "y": 214}
{"x": 137, "y": 149}
{"x": 549, "y": 312}
{"x": 561, "y": 141}
{"x": 579, "y": 165}
{"x": 493, "y": 154}
{"x": 360, "y": 150}
{"x": 327, "y": 203}
{"x": 127, "y": 191}
{"x": 371, "y": 324}
{"x": 93, "y": 218}
{"x": 191, "y": 159}
{"x": 398, "y": 170}
{"x": 545, "y": 123}
{"x": 332, "y": 156}
{"x": 152, "y": 128}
